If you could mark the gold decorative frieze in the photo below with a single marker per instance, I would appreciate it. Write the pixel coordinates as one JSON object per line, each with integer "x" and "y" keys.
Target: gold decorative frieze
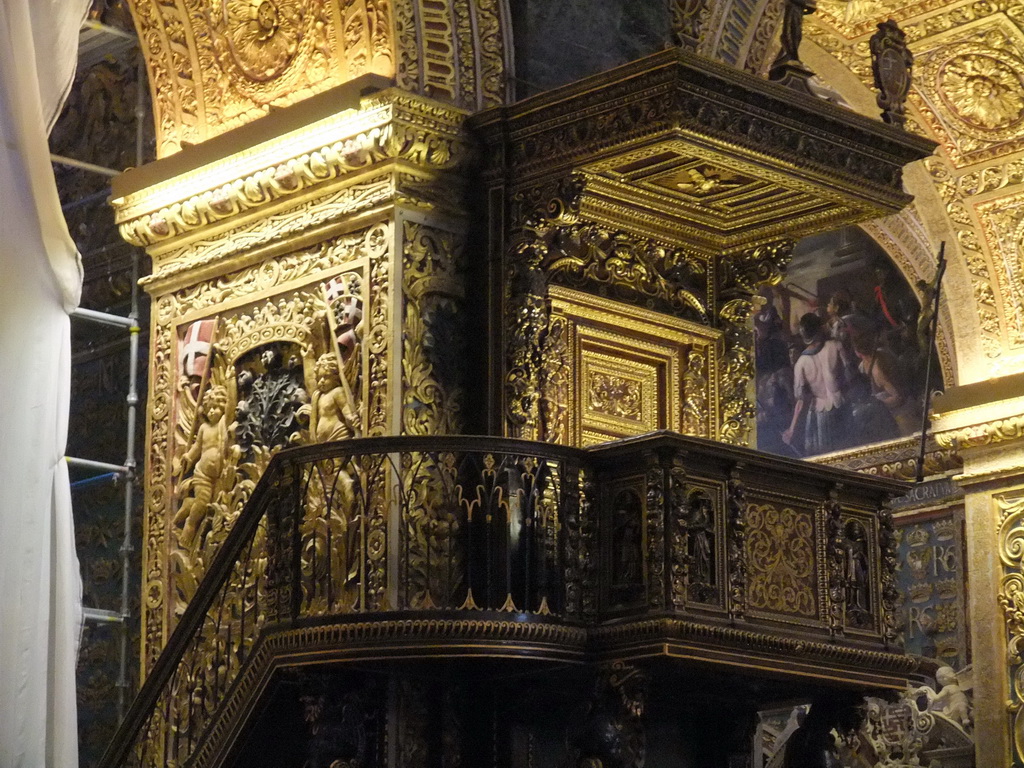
{"x": 215, "y": 68}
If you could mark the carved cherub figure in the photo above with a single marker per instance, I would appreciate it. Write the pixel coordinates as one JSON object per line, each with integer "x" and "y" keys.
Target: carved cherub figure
{"x": 206, "y": 458}
{"x": 950, "y": 699}
{"x": 332, "y": 413}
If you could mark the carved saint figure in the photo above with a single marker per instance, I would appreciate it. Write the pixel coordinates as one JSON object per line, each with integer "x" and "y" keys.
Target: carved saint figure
{"x": 858, "y": 588}
{"x": 700, "y": 527}
{"x": 206, "y": 458}
{"x": 626, "y": 536}
{"x": 332, "y": 414}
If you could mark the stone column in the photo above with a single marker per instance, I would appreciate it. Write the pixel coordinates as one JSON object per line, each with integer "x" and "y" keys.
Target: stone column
{"x": 985, "y": 422}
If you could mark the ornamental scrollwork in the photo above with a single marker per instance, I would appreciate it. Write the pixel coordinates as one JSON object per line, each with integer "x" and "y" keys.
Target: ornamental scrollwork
{"x": 1010, "y": 545}
{"x": 888, "y": 546}
{"x": 835, "y": 562}
{"x": 780, "y": 560}
{"x": 736, "y": 543}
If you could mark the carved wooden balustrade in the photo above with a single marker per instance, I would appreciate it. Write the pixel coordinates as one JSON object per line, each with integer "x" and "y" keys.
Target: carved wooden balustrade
{"x": 400, "y": 548}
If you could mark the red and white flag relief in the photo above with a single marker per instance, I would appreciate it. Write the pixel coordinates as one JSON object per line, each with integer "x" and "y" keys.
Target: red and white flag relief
{"x": 41, "y": 282}
{"x": 194, "y": 352}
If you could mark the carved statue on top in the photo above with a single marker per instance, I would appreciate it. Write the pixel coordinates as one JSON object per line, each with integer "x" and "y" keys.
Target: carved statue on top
{"x": 891, "y": 63}
{"x": 950, "y": 699}
{"x": 206, "y": 457}
{"x": 787, "y": 68}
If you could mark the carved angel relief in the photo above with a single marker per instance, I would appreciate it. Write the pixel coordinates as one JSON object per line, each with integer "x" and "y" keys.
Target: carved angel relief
{"x": 299, "y": 383}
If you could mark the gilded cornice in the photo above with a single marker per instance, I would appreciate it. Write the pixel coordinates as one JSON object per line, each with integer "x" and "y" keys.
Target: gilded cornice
{"x": 390, "y": 146}
{"x": 982, "y": 414}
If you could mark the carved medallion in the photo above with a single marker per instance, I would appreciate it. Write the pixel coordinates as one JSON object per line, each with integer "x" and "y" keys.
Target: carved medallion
{"x": 982, "y": 90}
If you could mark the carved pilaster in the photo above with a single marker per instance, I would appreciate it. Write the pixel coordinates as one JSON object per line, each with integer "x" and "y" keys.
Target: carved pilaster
{"x": 655, "y": 528}
{"x": 835, "y": 570}
{"x": 679, "y": 523}
{"x": 739, "y": 279}
{"x": 736, "y": 546}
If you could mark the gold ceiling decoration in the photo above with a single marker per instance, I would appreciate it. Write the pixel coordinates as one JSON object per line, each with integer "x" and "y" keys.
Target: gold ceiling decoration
{"x": 216, "y": 65}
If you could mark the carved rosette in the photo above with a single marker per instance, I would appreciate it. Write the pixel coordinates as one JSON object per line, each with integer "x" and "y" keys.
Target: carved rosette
{"x": 736, "y": 546}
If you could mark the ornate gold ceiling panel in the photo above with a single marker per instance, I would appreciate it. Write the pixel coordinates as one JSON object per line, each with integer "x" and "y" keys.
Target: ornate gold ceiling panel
{"x": 216, "y": 64}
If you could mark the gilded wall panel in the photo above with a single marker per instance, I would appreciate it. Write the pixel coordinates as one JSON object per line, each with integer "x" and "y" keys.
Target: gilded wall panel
{"x": 244, "y": 364}
{"x": 780, "y": 556}
{"x": 629, "y": 371}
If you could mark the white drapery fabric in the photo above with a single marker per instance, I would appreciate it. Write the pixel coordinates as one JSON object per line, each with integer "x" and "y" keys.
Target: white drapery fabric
{"x": 40, "y": 282}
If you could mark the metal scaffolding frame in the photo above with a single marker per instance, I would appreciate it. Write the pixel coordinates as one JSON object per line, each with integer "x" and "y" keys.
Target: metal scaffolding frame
{"x": 126, "y": 471}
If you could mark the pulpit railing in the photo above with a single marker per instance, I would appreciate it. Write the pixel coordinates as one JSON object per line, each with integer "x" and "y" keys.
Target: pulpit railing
{"x": 358, "y": 528}
{"x": 734, "y": 546}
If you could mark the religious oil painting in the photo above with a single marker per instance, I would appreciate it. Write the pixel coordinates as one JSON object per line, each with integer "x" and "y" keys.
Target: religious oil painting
{"x": 842, "y": 348}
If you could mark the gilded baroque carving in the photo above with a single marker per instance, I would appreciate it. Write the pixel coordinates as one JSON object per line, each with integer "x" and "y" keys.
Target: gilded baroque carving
{"x": 615, "y": 396}
{"x": 296, "y": 320}
{"x": 888, "y": 546}
{"x": 835, "y": 562}
{"x": 780, "y": 560}
{"x": 695, "y": 399}
{"x": 689, "y": 18}
{"x": 1011, "y": 600}
{"x": 433, "y": 339}
{"x": 390, "y": 126}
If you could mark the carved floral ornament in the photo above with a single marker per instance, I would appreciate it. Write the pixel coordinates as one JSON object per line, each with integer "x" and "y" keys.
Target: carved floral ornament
{"x": 390, "y": 125}
{"x": 263, "y": 36}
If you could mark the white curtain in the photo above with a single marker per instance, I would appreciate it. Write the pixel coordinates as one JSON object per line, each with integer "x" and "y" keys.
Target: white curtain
{"x": 40, "y": 282}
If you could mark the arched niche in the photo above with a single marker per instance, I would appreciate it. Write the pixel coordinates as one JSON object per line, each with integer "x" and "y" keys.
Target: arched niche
{"x": 219, "y": 64}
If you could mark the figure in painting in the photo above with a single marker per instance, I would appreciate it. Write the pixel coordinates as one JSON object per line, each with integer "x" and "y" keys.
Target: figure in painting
{"x": 818, "y": 390}
{"x": 880, "y": 332}
{"x": 206, "y": 457}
